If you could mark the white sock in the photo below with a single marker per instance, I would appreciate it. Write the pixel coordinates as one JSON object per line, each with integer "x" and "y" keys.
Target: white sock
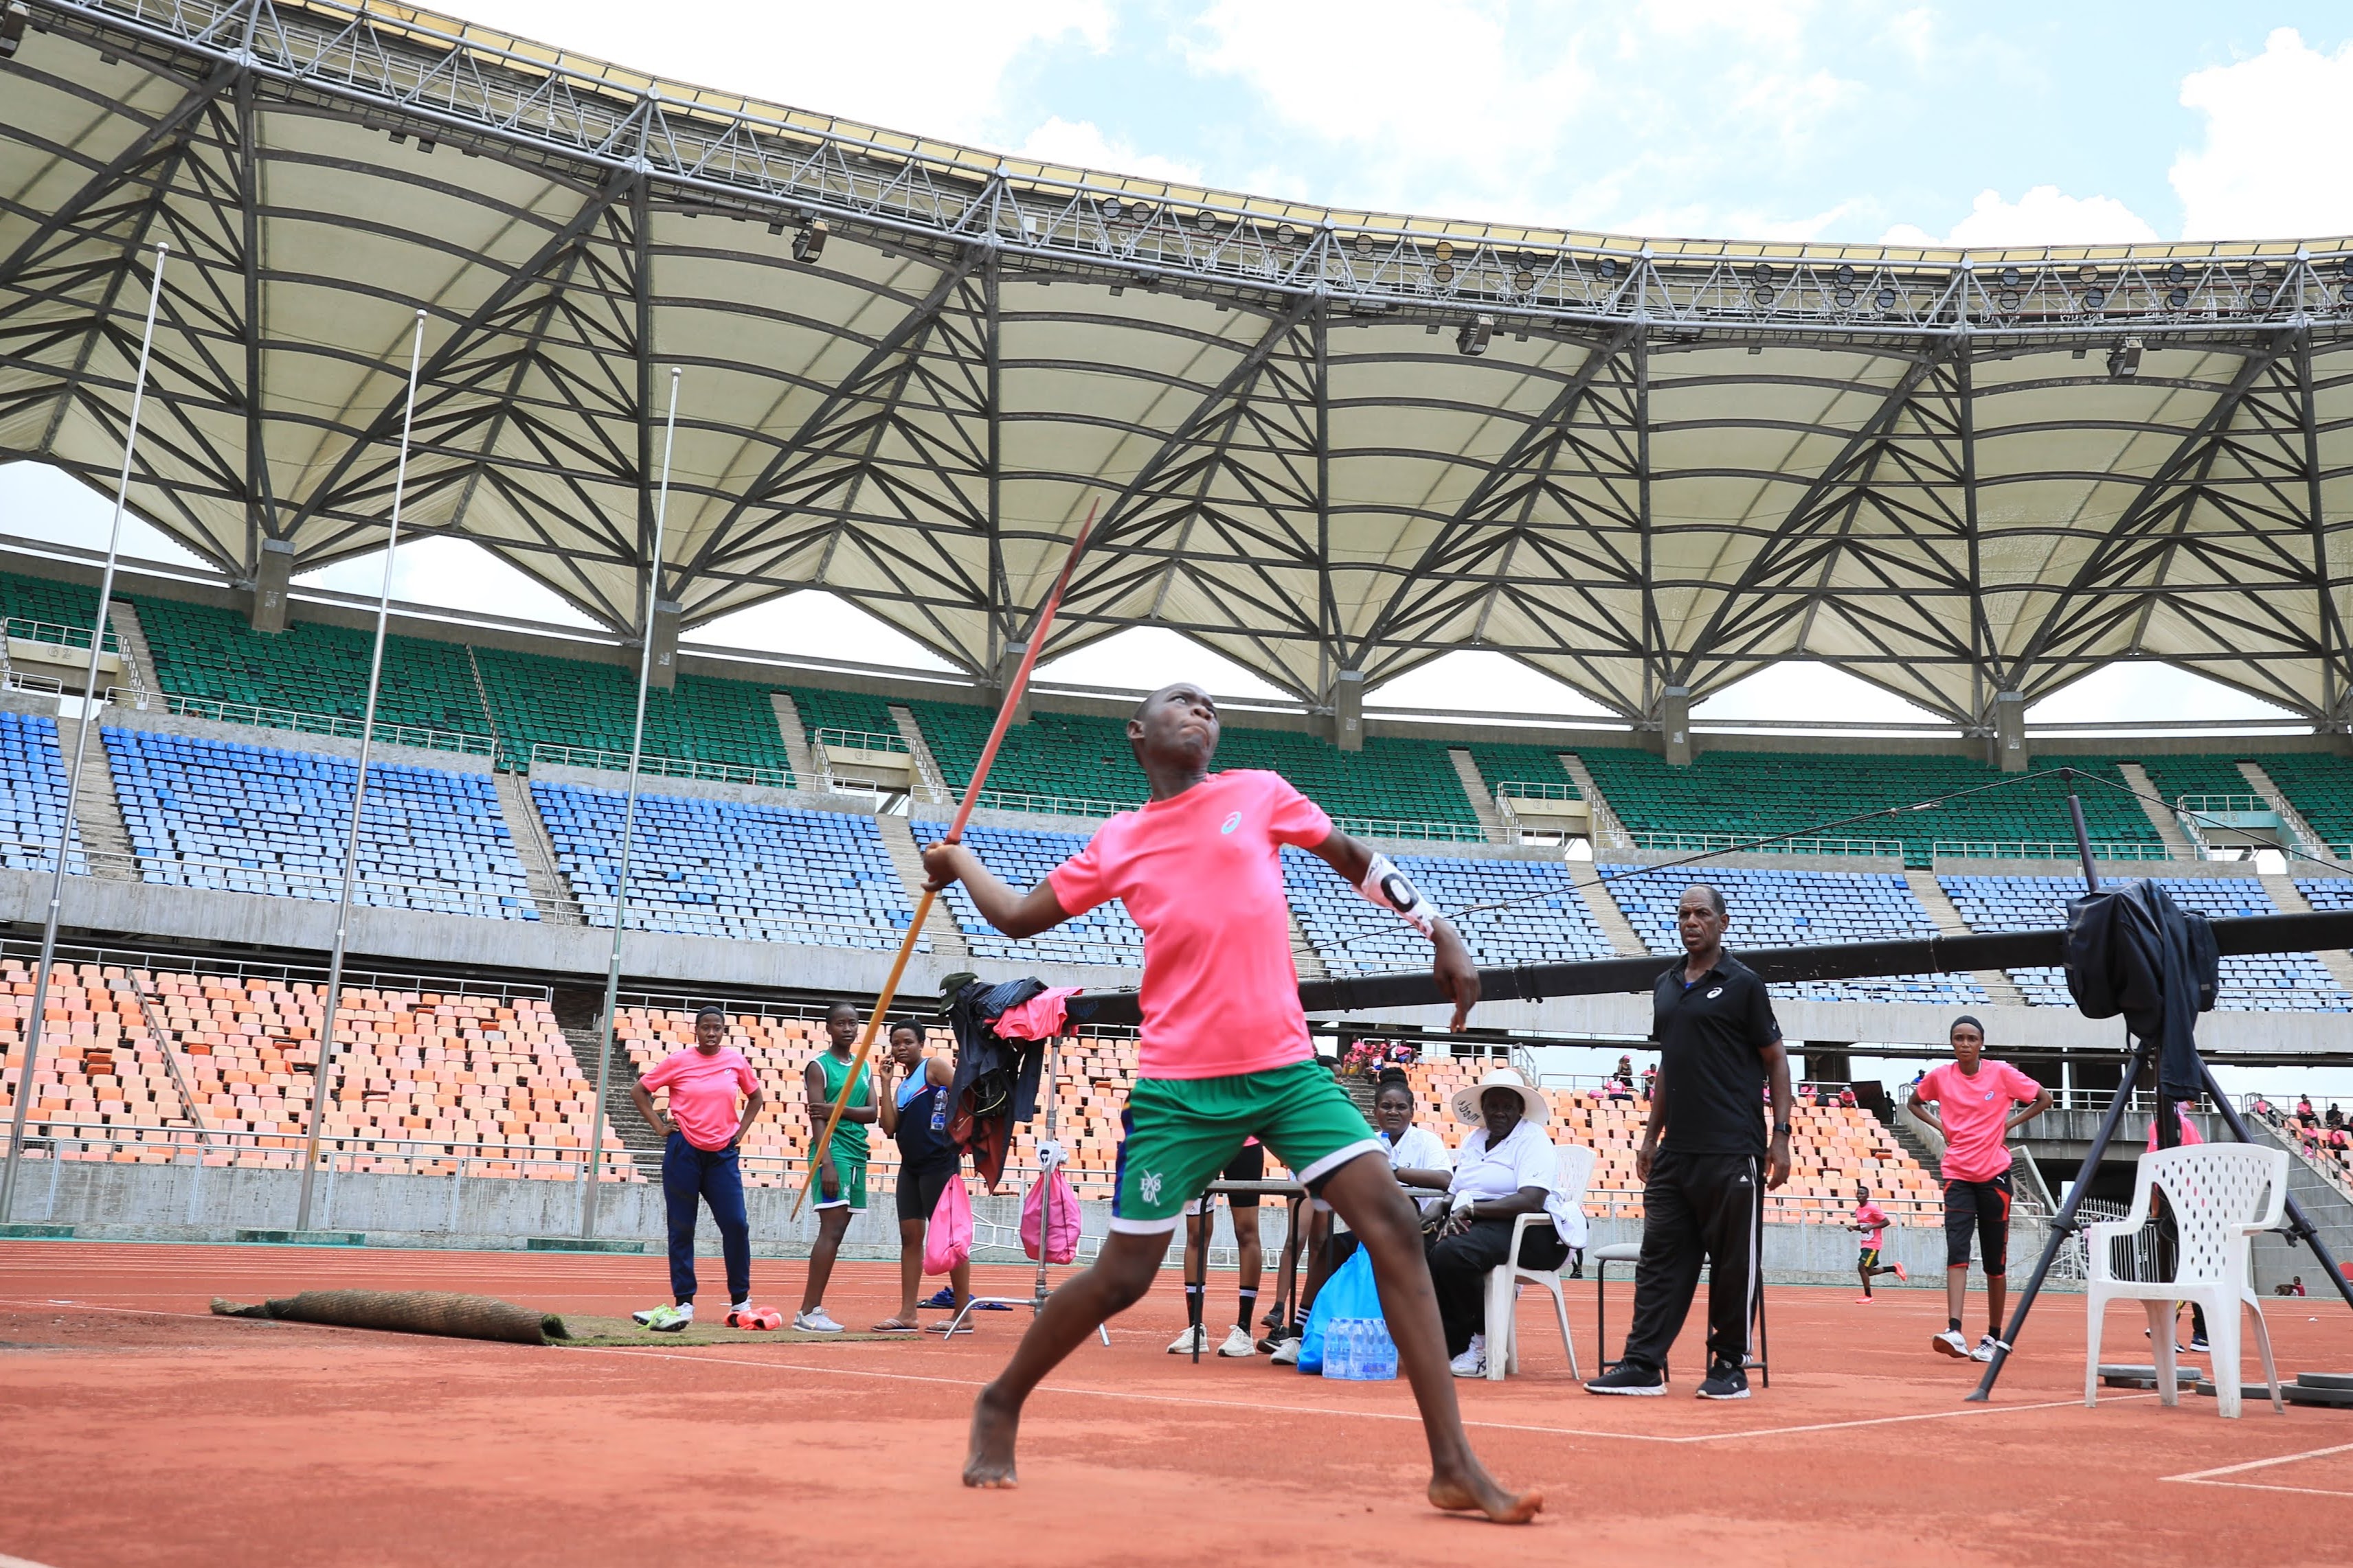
{"x": 686, "y": 1309}
{"x": 743, "y": 1306}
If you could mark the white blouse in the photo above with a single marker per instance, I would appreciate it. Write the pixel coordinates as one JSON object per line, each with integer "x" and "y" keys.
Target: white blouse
{"x": 1524, "y": 1159}
{"x": 1419, "y": 1149}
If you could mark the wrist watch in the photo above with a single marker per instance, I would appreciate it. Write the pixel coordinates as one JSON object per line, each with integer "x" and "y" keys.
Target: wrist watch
{"x": 1780, "y": 1129}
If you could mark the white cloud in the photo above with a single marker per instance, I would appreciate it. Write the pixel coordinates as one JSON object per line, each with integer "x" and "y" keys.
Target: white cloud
{"x": 449, "y": 574}
{"x": 2146, "y": 691}
{"x": 1914, "y": 34}
{"x": 2044, "y": 216}
{"x": 1482, "y": 680}
{"x": 1144, "y": 658}
{"x": 2277, "y": 126}
{"x": 933, "y": 67}
{"x": 1081, "y": 144}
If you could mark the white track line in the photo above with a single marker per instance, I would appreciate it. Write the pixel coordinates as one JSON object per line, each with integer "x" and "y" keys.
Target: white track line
{"x": 2213, "y": 1477}
{"x": 1190, "y": 1400}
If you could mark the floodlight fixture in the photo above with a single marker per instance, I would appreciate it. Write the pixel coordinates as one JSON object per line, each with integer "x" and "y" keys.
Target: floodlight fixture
{"x": 1473, "y": 337}
{"x": 2124, "y": 360}
{"x": 810, "y": 245}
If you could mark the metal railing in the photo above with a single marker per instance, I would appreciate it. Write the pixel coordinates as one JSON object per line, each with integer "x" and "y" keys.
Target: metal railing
{"x": 1424, "y": 832}
{"x": 1522, "y": 789}
{"x": 76, "y": 637}
{"x": 2044, "y": 849}
{"x": 1052, "y": 805}
{"x": 861, "y": 740}
{"x": 417, "y": 736}
{"x": 2220, "y": 802}
{"x": 1678, "y": 839}
{"x": 598, "y": 761}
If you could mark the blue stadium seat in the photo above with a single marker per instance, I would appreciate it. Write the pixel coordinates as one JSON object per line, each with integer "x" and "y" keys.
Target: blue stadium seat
{"x": 228, "y": 817}
{"x": 1543, "y": 920}
{"x": 2255, "y": 983}
{"x": 33, "y": 797}
{"x": 728, "y": 868}
{"x": 1103, "y": 935}
{"x": 1789, "y": 909}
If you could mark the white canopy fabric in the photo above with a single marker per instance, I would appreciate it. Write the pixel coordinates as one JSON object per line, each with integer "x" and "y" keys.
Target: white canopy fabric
{"x": 1323, "y": 441}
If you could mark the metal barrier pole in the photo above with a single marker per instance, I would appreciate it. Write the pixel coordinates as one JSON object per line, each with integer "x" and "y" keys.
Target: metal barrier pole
{"x": 320, "y": 1080}
{"x": 628, "y": 831}
{"x": 73, "y": 774}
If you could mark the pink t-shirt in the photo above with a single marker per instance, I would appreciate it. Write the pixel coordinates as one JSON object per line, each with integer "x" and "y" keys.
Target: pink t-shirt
{"x": 702, "y": 1092}
{"x": 1874, "y": 1220}
{"x": 1973, "y": 1107}
{"x": 1202, "y": 875}
{"x": 2189, "y": 1134}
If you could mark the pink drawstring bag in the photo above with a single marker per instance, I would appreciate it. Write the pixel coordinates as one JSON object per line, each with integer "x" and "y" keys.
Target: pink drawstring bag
{"x": 1051, "y": 1191}
{"x": 947, "y": 1240}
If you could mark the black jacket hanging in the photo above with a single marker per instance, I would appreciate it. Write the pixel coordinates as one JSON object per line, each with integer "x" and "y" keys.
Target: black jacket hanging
{"x": 996, "y": 1081}
{"x": 2131, "y": 950}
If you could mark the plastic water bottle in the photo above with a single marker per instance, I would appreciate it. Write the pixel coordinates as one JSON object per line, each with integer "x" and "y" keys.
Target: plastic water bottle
{"x": 1340, "y": 1347}
{"x": 1378, "y": 1360}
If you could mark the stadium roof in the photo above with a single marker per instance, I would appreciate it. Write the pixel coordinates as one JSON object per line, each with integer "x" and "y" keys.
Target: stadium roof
{"x": 909, "y": 366}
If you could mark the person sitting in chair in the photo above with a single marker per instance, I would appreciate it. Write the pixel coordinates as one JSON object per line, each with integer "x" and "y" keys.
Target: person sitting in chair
{"x": 1505, "y": 1168}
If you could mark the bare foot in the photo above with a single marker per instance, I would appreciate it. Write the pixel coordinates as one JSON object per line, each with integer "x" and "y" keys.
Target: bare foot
{"x": 1474, "y": 1491}
{"x": 993, "y": 1427}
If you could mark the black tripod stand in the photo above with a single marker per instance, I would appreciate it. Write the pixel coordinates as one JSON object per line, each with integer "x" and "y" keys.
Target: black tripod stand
{"x": 2065, "y": 1226}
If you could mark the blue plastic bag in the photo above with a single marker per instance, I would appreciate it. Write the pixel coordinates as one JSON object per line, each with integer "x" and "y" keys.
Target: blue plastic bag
{"x": 1349, "y": 1293}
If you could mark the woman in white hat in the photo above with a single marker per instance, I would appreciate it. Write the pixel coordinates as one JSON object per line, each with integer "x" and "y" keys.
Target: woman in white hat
{"x": 1504, "y": 1169}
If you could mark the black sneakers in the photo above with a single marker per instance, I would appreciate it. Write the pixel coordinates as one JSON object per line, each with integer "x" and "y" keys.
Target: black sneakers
{"x": 1725, "y": 1381}
{"x": 1630, "y": 1377}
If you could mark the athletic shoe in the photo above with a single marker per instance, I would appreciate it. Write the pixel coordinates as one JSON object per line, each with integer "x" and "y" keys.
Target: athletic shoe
{"x": 1189, "y": 1341}
{"x": 1237, "y": 1344}
{"x": 1628, "y": 1377}
{"x": 1472, "y": 1362}
{"x": 1950, "y": 1344}
{"x": 1902, "y": 1278}
{"x": 1985, "y": 1350}
{"x": 1864, "y": 1301}
{"x": 1725, "y": 1381}
{"x": 664, "y": 1320}
{"x": 816, "y": 1321}
{"x": 2198, "y": 1343}
{"x": 1287, "y": 1352}
{"x": 1274, "y": 1340}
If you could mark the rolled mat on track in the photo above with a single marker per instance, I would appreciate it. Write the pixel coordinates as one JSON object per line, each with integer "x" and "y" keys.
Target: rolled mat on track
{"x": 410, "y": 1312}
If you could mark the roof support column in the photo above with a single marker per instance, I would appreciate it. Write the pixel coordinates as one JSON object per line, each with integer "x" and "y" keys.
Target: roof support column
{"x": 2328, "y": 626}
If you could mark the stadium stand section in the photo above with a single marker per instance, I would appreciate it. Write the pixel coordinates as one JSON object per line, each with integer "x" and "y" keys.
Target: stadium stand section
{"x": 1069, "y": 764}
{"x": 1776, "y": 908}
{"x": 729, "y": 868}
{"x": 232, "y": 817}
{"x": 1392, "y": 780}
{"x": 856, "y": 713}
{"x": 1502, "y": 763}
{"x": 33, "y": 797}
{"x": 2327, "y": 892}
{"x": 2176, "y": 776}
{"x": 1021, "y": 856}
{"x": 207, "y": 656}
{"x": 537, "y": 700}
{"x": 2264, "y": 983}
{"x": 1751, "y": 794}
{"x": 1544, "y": 922}
{"x": 44, "y": 610}
{"x": 425, "y": 1079}
{"x": 2318, "y": 786}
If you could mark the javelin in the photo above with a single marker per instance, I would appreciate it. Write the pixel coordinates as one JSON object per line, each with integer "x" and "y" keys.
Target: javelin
{"x": 956, "y": 833}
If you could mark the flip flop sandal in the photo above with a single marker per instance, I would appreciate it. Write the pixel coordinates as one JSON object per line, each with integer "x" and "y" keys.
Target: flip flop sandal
{"x": 894, "y": 1326}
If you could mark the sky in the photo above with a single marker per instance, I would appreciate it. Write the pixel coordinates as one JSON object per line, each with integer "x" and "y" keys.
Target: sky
{"x": 1795, "y": 119}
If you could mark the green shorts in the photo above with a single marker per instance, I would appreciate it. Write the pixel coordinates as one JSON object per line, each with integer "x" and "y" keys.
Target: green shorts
{"x": 1178, "y": 1134}
{"x": 853, "y": 1192}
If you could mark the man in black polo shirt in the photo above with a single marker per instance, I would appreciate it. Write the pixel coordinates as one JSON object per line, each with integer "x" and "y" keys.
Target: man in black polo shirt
{"x": 1705, "y": 1162}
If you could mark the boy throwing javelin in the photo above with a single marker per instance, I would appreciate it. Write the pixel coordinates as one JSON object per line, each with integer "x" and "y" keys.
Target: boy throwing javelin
{"x": 1225, "y": 1056}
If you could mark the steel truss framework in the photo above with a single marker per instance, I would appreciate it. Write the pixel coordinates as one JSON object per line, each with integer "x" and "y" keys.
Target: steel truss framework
{"x": 910, "y": 365}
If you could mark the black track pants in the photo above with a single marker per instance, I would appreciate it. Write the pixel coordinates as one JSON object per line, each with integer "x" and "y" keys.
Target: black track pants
{"x": 1698, "y": 1209}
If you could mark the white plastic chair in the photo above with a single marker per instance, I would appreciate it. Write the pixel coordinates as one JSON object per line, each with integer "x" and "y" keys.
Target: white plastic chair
{"x": 2215, "y": 1193}
{"x": 1573, "y": 1169}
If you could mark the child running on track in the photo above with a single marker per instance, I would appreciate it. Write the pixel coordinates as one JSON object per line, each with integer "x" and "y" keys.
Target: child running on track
{"x": 841, "y": 1175}
{"x": 1225, "y": 1055}
{"x": 700, "y": 1136}
{"x": 1976, "y": 1110}
{"x": 1871, "y": 1221}
{"x": 916, "y": 1115}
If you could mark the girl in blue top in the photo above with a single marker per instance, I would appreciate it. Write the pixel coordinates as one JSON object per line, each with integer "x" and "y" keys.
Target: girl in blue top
{"x": 915, "y": 1113}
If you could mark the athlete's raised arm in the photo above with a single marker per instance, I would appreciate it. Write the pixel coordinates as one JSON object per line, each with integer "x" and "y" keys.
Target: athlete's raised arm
{"x": 1371, "y": 874}
{"x": 1016, "y": 914}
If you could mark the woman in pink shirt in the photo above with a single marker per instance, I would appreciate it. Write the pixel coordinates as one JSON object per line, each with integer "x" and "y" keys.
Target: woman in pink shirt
{"x": 1976, "y": 1109}
{"x": 698, "y": 1160}
{"x": 1224, "y": 1056}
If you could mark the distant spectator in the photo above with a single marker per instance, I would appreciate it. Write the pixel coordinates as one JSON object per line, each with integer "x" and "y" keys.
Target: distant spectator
{"x": 1650, "y": 1081}
{"x": 1504, "y": 1169}
{"x": 2336, "y": 1138}
{"x": 1846, "y": 1098}
{"x": 2262, "y": 1108}
{"x": 1806, "y": 1094}
{"x": 2304, "y": 1106}
{"x": 2294, "y": 1287}
{"x": 2335, "y": 1117}
{"x": 1620, "y": 1084}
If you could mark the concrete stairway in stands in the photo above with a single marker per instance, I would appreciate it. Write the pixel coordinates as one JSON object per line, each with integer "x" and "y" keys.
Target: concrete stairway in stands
{"x": 807, "y": 773}
{"x": 2290, "y": 899}
{"x": 138, "y": 658}
{"x": 2261, "y": 783}
{"x": 549, "y": 891}
{"x": 931, "y": 783}
{"x": 1482, "y": 802}
{"x": 1601, "y": 821}
{"x": 1998, "y": 986}
{"x": 637, "y": 1135}
{"x": 947, "y": 938}
{"x": 97, "y": 812}
{"x": 1303, "y": 956}
{"x": 1606, "y": 912}
{"x": 2177, "y": 843}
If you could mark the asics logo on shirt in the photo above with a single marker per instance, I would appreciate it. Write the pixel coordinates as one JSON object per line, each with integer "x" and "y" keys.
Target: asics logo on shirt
{"x": 1715, "y": 993}
{"x": 1233, "y": 820}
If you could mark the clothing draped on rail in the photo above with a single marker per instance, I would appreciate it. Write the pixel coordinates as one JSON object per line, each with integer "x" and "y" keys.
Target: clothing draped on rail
{"x": 2131, "y": 950}
{"x": 996, "y": 1081}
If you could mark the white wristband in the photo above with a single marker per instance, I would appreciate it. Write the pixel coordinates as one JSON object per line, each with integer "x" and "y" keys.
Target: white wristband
{"x": 1390, "y": 888}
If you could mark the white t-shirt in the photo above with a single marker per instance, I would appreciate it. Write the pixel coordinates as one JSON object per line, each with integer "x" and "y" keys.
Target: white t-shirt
{"x": 1524, "y": 1159}
{"x": 1418, "y": 1149}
